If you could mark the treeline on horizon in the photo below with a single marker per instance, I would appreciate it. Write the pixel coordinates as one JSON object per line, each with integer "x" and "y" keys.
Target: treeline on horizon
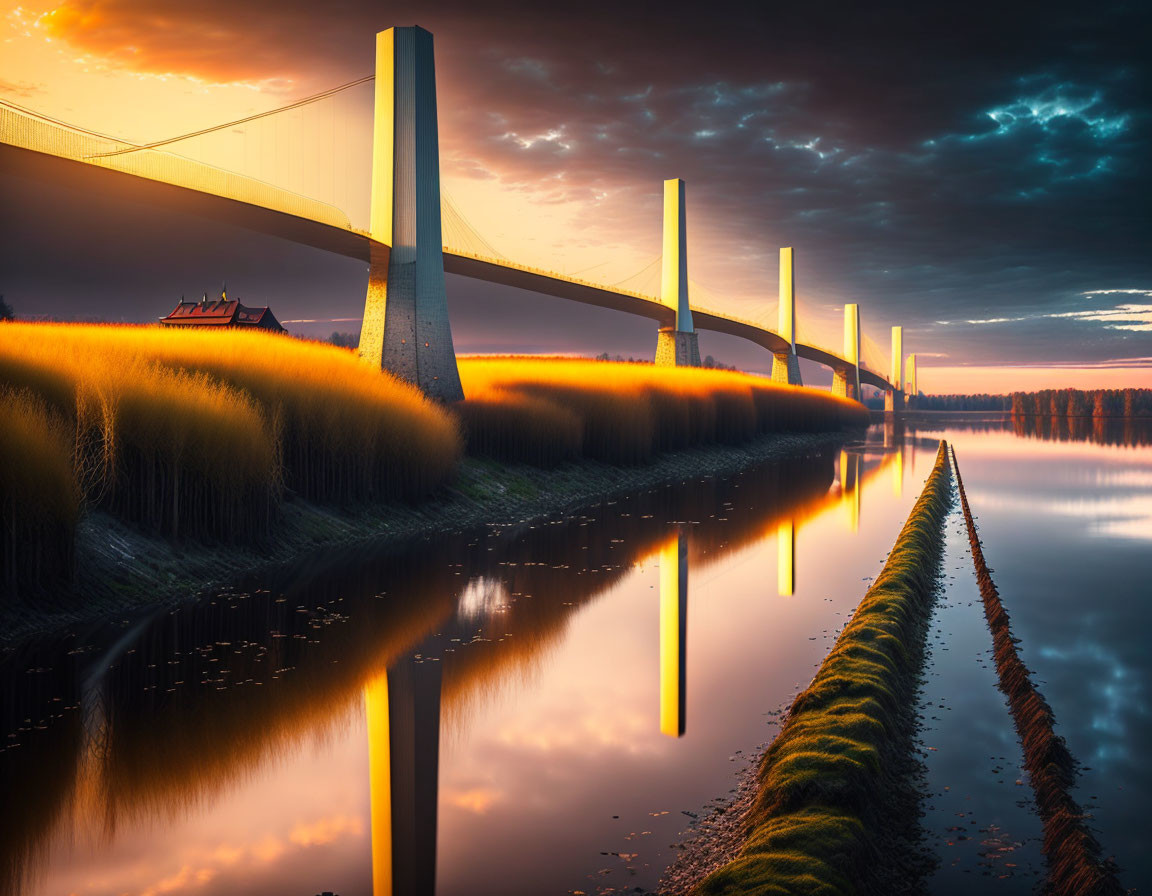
{"x": 202, "y": 435}
{"x": 1046, "y": 403}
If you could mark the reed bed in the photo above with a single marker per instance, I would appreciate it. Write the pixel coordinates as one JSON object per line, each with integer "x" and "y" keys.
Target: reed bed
{"x": 39, "y": 497}
{"x": 342, "y": 431}
{"x": 545, "y": 410}
{"x": 831, "y": 793}
{"x": 177, "y": 452}
{"x": 1076, "y": 866}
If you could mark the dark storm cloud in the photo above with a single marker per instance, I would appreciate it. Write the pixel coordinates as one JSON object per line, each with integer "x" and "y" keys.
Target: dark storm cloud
{"x": 935, "y": 162}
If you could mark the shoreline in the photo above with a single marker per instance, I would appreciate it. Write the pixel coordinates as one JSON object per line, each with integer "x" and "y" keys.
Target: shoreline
{"x": 839, "y": 786}
{"x": 121, "y": 571}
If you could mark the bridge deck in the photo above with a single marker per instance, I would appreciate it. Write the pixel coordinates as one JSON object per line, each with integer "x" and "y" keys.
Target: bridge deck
{"x": 30, "y": 147}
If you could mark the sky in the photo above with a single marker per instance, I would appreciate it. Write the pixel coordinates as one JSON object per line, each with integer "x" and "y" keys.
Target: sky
{"x": 972, "y": 172}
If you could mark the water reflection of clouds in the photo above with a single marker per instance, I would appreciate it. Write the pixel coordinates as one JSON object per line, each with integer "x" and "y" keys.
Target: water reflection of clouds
{"x": 1122, "y": 515}
{"x": 198, "y": 867}
{"x": 477, "y": 800}
{"x": 1129, "y": 478}
{"x": 1118, "y": 694}
{"x": 599, "y": 728}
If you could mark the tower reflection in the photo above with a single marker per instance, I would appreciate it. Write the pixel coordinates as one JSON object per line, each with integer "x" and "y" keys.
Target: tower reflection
{"x": 850, "y": 487}
{"x": 786, "y": 558}
{"x": 402, "y": 715}
{"x": 673, "y": 634}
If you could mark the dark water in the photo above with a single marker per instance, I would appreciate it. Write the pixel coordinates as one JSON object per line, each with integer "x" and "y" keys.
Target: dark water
{"x": 544, "y": 709}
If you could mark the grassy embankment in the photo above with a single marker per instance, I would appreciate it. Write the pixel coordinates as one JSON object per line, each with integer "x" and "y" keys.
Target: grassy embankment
{"x": 544, "y": 411}
{"x": 198, "y": 434}
{"x": 1075, "y": 863}
{"x": 829, "y": 787}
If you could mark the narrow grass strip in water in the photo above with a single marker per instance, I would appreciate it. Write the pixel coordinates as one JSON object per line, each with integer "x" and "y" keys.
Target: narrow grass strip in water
{"x": 835, "y": 800}
{"x": 1075, "y": 863}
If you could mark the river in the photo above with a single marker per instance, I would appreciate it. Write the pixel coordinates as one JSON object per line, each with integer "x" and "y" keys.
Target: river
{"x": 552, "y": 707}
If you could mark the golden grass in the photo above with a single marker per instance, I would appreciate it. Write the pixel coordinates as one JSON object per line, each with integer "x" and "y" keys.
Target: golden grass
{"x": 344, "y": 431}
{"x": 39, "y": 497}
{"x": 531, "y": 409}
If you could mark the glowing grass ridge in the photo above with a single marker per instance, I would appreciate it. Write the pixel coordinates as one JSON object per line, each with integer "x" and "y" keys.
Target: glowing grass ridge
{"x": 546, "y": 410}
{"x": 831, "y": 788}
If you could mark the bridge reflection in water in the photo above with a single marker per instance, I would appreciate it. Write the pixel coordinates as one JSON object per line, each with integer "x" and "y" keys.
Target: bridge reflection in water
{"x": 126, "y": 730}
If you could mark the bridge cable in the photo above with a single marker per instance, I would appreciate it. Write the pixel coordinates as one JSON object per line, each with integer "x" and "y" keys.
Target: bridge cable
{"x": 303, "y": 102}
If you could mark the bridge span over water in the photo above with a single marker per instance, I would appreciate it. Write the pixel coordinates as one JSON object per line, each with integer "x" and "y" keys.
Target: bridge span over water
{"x": 406, "y": 328}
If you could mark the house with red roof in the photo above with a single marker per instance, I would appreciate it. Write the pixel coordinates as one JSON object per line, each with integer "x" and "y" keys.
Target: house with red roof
{"x": 223, "y": 312}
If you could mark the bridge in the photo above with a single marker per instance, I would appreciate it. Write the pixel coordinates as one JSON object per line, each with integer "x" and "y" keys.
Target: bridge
{"x": 405, "y": 328}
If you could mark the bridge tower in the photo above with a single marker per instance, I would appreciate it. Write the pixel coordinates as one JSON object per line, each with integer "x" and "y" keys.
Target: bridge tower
{"x": 910, "y": 376}
{"x": 406, "y": 329}
{"x": 846, "y": 380}
{"x": 676, "y": 346}
{"x": 894, "y": 397}
{"x": 786, "y": 365}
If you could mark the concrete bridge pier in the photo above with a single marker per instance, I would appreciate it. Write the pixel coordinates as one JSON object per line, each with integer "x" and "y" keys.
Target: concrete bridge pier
{"x": 786, "y": 365}
{"x": 893, "y": 401}
{"x": 676, "y": 346}
{"x": 406, "y": 330}
{"x": 843, "y": 383}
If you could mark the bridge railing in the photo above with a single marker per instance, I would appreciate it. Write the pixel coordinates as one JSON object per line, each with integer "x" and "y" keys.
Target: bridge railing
{"x": 27, "y": 130}
{"x": 568, "y": 278}
{"x": 554, "y": 275}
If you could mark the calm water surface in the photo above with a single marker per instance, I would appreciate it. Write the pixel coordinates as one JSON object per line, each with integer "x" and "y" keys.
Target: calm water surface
{"x": 547, "y": 709}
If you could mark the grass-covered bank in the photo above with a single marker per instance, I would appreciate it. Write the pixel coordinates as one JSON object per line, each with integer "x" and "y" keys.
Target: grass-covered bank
{"x": 833, "y": 802}
{"x": 1076, "y": 866}
{"x": 205, "y": 438}
{"x": 195, "y": 435}
{"x": 545, "y": 410}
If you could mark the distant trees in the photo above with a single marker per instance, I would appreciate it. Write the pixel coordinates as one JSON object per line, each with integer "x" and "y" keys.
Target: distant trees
{"x": 1047, "y": 403}
{"x": 1081, "y": 403}
{"x": 6, "y": 312}
{"x": 981, "y": 402}
{"x": 344, "y": 340}
{"x": 604, "y": 356}
{"x": 712, "y": 363}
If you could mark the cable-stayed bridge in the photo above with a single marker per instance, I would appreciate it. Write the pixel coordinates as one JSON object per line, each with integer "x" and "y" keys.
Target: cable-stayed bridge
{"x": 382, "y": 204}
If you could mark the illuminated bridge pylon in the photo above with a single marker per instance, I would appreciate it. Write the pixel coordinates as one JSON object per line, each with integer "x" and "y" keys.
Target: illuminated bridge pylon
{"x": 910, "y": 387}
{"x": 846, "y": 378}
{"x": 678, "y": 345}
{"x": 406, "y": 329}
{"x": 786, "y": 365}
{"x": 894, "y": 397}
